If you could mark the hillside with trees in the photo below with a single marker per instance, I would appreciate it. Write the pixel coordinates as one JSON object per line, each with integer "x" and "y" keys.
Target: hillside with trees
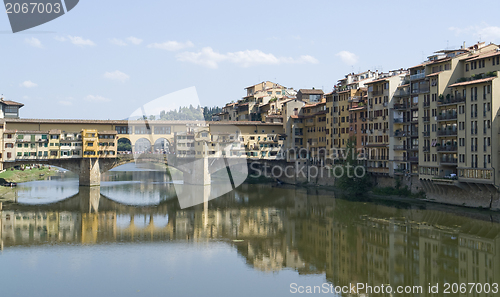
{"x": 190, "y": 113}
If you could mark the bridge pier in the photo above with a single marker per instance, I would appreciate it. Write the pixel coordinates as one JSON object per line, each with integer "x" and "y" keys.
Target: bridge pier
{"x": 197, "y": 173}
{"x": 90, "y": 173}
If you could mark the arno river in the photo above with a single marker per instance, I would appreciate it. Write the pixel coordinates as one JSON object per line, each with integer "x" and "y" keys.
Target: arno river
{"x": 133, "y": 239}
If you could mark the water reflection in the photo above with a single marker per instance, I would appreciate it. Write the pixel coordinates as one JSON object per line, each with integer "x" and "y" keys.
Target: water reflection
{"x": 277, "y": 228}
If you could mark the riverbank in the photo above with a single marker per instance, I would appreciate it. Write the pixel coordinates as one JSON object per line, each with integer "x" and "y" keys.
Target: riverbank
{"x": 384, "y": 191}
{"x": 21, "y": 176}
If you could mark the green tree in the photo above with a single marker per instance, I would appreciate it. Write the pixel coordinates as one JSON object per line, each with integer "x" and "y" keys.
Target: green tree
{"x": 124, "y": 145}
{"x": 349, "y": 177}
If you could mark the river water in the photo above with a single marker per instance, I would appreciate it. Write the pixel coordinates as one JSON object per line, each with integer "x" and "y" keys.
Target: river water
{"x": 133, "y": 239}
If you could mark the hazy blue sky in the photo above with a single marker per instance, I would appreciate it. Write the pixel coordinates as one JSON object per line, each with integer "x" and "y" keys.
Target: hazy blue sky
{"x": 104, "y": 59}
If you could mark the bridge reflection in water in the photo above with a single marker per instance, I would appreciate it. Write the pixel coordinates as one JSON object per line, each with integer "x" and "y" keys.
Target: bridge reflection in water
{"x": 304, "y": 230}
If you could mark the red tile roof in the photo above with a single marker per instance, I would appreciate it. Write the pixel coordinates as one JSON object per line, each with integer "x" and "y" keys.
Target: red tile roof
{"x": 12, "y": 103}
{"x": 482, "y": 56}
{"x": 477, "y": 81}
{"x": 434, "y": 74}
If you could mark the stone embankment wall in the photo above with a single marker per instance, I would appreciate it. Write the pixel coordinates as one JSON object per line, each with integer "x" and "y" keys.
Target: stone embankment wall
{"x": 303, "y": 173}
{"x": 455, "y": 193}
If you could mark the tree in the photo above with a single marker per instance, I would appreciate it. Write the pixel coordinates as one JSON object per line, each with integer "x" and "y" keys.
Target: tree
{"x": 350, "y": 175}
{"x": 152, "y": 117}
{"x": 124, "y": 145}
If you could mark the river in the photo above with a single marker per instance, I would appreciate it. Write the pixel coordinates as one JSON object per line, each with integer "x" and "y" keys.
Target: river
{"x": 133, "y": 239}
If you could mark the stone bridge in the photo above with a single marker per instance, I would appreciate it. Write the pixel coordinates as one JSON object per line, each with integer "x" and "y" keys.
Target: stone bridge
{"x": 196, "y": 171}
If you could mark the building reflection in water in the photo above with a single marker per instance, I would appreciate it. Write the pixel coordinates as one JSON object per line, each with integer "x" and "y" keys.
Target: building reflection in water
{"x": 297, "y": 229}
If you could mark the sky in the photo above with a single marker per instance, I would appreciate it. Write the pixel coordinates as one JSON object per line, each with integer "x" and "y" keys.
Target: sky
{"x": 106, "y": 59}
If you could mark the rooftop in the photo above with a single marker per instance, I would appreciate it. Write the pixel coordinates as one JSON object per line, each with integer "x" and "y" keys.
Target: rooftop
{"x": 477, "y": 81}
{"x": 11, "y": 103}
{"x": 311, "y": 91}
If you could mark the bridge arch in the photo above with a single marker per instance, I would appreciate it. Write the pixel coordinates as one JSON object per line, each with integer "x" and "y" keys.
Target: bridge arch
{"x": 124, "y": 144}
{"x": 162, "y": 145}
{"x": 142, "y": 145}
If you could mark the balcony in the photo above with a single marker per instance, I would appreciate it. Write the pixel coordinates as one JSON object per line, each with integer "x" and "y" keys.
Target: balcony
{"x": 449, "y": 160}
{"x": 447, "y": 116}
{"x": 377, "y": 93}
{"x": 399, "y": 148}
{"x": 402, "y": 93}
{"x": 450, "y": 100}
{"x": 447, "y": 148}
{"x": 426, "y": 148}
{"x": 417, "y": 76}
{"x": 426, "y": 119}
{"x": 413, "y": 159}
{"x": 426, "y": 133}
{"x": 427, "y": 104}
{"x": 379, "y": 170}
{"x": 400, "y": 106}
{"x": 398, "y": 120}
{"x": 447, "y": 132}
{"x": 399, "y": 133}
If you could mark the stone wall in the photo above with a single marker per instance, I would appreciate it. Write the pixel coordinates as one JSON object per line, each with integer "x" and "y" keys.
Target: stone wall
{"x": 302, "y": 173}
{"x": 470, "y": 195}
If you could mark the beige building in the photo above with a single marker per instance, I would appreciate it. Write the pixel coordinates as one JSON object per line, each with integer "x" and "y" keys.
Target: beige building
{"x": 310, "y": 96}
{"x": 461, "y": 133}
{"x": 349, "y": 92}
{"x": 381, "y": 148}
